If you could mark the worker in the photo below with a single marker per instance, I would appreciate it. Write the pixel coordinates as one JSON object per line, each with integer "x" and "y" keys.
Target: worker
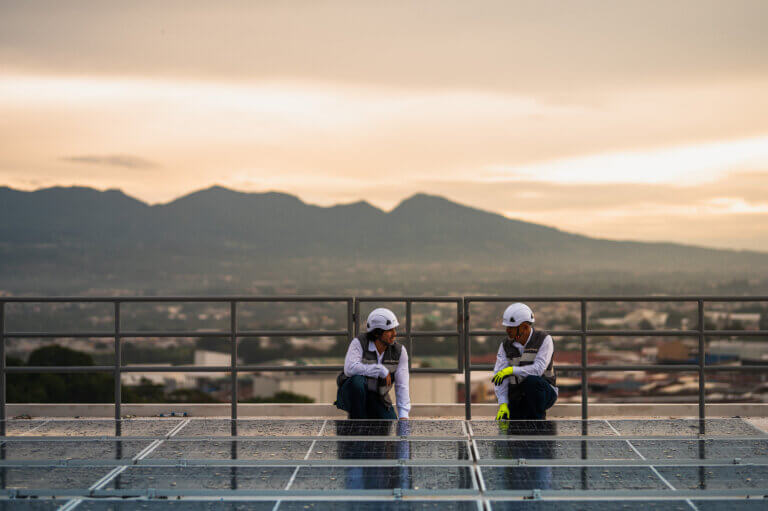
{"x": 374, "y": 364}
{"x": 524, "y": 375}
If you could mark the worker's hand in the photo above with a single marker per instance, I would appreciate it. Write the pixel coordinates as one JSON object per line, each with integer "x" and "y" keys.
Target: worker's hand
{"x": 503, "y": 414}
{"x": 499, "y": 377}
{"x": 389, "y": 379}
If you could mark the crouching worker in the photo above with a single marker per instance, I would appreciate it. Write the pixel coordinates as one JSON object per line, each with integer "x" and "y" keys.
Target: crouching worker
{"x": 373, "y": 365}
{"x": 524, "y": 374}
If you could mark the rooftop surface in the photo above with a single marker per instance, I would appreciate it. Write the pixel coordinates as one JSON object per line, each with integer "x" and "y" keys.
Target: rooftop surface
{"x": 297, "y": 464}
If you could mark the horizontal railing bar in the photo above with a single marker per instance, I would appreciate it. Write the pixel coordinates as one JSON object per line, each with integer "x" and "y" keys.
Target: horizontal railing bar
{"x": 682, "y": 298}
{"x": 424, "y": 299}
{"x": 637, "y": 333}
{"x": 736, "y": 333}
{"x": 658, "y": 462}
{"x": 49, "y": 335}
{"x": 593, "y": 368}
{"x": 59, "y": 369}
{"x": 204, "y": 369}
{"x": 230, "y": 462}
{"x": 750, "y": 367}
{"x": 603, "y": 494}
{"x": 180, "y": 299}
{"x": 240, "y": 334}
{"x": 291, "y": 333}
{"x": 692, "y": 437}
{"x": 342, "y": 333}
{"x": 312, "y": 369}
{"x": 420, "y": 299}
{"x": 27, "y": 335}
{"x": 489, "y": 333}
{"x": 645, "y": 367}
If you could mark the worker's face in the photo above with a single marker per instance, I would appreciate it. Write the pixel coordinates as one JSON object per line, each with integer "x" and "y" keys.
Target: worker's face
{"x": 388, "y": 336}
{"x": 519, "y": 333}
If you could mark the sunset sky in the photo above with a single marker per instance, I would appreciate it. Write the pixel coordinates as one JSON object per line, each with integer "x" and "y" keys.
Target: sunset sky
{"x": 635, "y": 120}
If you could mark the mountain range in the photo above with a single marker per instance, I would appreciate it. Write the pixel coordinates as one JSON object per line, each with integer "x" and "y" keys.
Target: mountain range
{"x": 87, "y": 234}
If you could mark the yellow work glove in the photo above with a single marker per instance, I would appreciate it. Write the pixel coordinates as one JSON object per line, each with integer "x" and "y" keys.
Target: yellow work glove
{"x": 503, "y": 412}
{"x": 499, "y": 377}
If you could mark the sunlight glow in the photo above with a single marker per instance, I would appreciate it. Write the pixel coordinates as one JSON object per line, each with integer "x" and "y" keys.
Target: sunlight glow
{"x": 687, "y": 164}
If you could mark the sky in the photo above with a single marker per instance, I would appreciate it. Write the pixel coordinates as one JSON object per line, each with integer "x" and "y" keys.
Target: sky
{"x": 628, "y": 120}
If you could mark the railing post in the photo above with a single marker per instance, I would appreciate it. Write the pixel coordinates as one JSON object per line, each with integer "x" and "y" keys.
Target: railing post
{"x": 408, "y": 306}
{"x": 357, "y": 316}
{"x": 460, "y": 331}
{"x": 118, "y": 366}
{"x": 2, "y": 369}
{"x": 350, "y": 319}
{"x": 233, "y": 355}
{"x": 584, "y": 375}
{"x": 702, "y": 356}
{"x": 467, "y": 365}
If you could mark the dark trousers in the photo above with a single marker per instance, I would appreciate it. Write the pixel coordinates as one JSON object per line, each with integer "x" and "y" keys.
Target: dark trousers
{"x": 354, "y": 397}
{"x": 536, "y": 398}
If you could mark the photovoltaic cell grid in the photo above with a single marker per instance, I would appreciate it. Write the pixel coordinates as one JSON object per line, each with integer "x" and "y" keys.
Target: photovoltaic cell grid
{"x": 445, "y": 464}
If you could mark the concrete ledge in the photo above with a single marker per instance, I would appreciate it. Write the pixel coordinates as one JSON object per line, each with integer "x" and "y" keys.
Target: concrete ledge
{"x": 453, "y": 410}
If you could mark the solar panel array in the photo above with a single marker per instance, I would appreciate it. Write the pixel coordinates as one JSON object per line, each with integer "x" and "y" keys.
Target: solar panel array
{"x": 292, "y": 464}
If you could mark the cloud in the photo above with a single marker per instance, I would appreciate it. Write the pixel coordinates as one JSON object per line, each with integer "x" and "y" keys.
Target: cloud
{"x": 112, "y": 160}
{"x": 531, "y": 45}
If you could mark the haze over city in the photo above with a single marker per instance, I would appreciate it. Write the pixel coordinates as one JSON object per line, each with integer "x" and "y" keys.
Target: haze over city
{"x": 644, "y": 121}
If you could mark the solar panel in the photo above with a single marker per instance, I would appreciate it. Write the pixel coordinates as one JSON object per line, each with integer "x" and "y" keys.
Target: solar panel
{"x": 193, "y": 449}
{"x": 570, "y": 478}
{"x": 177, "y": 478}
{"x": 398, "y": 505}
{"x": 685, "y": 427}
{"x": 186, "y": 505}
{"x": 59, "y": 478}
{"x": 384, "y": 478}
{"x": 56, "y": 450}
{"x": 91, "y": 427}
{"x": 30, "y": 505}
{"x": 23, "y": 426}
{"x": 556, "y": 449}
{"x": 414, "y": 427}
{"x": 544, "y": 428}
{"x": 590, "y": 505}
{"x": 397, "y": 449}
{"x": 731, "y": 504}
{"x": 283, "y": 505}
{"x": 702, "y": 449}
{"x": 720, "y": 477}
{"x": 251, "y": 427}
{"x": 315, "y": 464}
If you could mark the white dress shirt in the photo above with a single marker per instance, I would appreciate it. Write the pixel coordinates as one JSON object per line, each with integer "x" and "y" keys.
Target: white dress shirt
{"x": 353, "y": 366}
{"x": 537, "y": 368}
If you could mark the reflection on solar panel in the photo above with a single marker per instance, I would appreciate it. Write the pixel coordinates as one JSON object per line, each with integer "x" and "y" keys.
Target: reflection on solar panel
{"x": 542, "y": 428}
{"x": 641, "y": 505}
{"x": 220, "y": 464}
{"x": 571, "y": 478}
{"x": 422, "y": 428}
{"x": 628, "y": 505}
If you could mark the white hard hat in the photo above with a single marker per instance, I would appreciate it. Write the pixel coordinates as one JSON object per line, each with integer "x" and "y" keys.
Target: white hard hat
{"x": 516, "y": 314}
{"x": 381, "y": 318}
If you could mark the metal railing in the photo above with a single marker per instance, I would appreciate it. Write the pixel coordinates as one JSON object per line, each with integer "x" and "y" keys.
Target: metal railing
{"x": 463, "y": 333}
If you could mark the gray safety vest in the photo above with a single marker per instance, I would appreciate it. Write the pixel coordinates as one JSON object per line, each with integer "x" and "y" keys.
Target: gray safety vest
{"x": 390, "y": 360}
{"x": 531, "y": 349}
